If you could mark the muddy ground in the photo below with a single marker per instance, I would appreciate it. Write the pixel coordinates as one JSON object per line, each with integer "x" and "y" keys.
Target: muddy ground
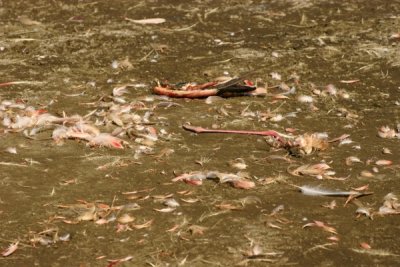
{"x": 71, "y": 54}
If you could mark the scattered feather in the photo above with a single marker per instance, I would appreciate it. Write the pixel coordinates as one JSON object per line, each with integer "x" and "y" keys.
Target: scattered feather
{"x": 330, "y": 89}
{"x": 143, "y": 225}
{"x": 115, "y": 262}
{"x": 276, "y": 76}
{"x": 387, "y": 132}
{"x": 312, "y": 170}
{"x": 366, "y": 174}
{"x": 364, "y": 211}
{"x": 383, "y": 162}
{"x": 125, "y": 218}
{"x": 106, "y": 140}
{"x": 119, "y": 91}
{"x": 352, "y": 159}
{"x": 172, "y": 203}
{"x": 331, "y": 205}
{"x": 147, "y": 21}
{"x": 10, "y": 250}
{"x": 196, "y": 229}
{"x": 345, "y": 141}
{"x": 277, "y": 118}
{"x": 305, "y": 99}
{"x": 242, "y": 184}
{"x": 11, "y": 150}
{"x": 115, "y": 64}
{"x": 390, "y": 205}
{"x": 190, "y": 200}
{"x": 87, "y": 216}
{"x": 238, "y": 163}
{"x": 321, "y": 225}
{"x": 365, "y": 245}
{"x": 165, "y": 210}
{"x": 308, "y": 143}
{"x": 65, "y": 238}
{"x": 315, "y": 191}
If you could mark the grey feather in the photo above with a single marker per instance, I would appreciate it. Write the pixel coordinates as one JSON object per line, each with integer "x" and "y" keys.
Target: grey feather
{"x": 315, "y": 191}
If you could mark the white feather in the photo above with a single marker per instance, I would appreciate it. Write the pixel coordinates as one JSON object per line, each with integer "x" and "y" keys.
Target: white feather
{"x": 315, "y": 191}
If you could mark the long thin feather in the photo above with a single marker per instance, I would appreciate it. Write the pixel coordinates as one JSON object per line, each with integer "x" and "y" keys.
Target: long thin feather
{"x": 315, "y": 191}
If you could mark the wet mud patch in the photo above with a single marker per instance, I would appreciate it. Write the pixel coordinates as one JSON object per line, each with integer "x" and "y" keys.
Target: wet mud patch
{"x": 90, "y": 156}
